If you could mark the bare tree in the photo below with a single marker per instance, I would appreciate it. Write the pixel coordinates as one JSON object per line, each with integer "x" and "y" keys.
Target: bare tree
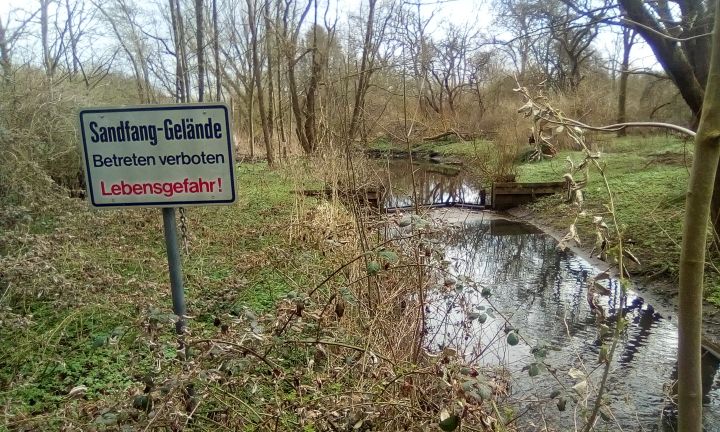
{"x": 239, "y": 79}
{"x": 200, "y": 40}
{"x": 73, "y": 37}
{"x": 555, "y": 35}
{"x": 216, "y": 50}
{"x": 365, "y": 72}
{"x": 628, "y": 39}
{"x": 450, "y": 70}
{"x": 45, "y": 38}
{"x": 178, "y": 40}
{"x": 518, "y": 18}
{"x": 52, "y": 50}
{"x": 257, "y": 72}
{"x": 8, "y": 38}
{"x": 186, "y": 82}
{"x": 291, "y": 32}
{"x": 130, "y": 45}
{"x": 5, "y": 53}
{"x": 412, "y": 32}
{"x": 269, "y": 59}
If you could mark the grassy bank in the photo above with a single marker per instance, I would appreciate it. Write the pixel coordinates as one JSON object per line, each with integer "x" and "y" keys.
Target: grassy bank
{"x": 86, "y": 301}
{"x": 443, "y": 148}
{"x": 648, "y": 177}
{"x": 291, "y": 326}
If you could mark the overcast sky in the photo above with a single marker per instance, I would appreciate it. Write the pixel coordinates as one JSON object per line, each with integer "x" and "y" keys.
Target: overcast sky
{"x": 456, "y": 11}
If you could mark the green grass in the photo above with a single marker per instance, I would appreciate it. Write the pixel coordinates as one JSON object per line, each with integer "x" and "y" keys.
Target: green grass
{"x": 454, "y": 148}
{"x": 88, "y": 298}
{"x": 648, "y": 177}
{"x": 383, "y": 145}
{"x": 446, "y": 148}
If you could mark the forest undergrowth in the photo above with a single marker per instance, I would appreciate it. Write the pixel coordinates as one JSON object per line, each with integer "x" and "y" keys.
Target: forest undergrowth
{"x": 302, "y": 316}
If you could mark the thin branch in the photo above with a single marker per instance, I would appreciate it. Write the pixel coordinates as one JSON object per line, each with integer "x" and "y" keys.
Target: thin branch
{"x": 275, "y": 368}
{"x": 620, "y": 126}
{"x": 339, "y": 344}
{"x": 659, "y": 33}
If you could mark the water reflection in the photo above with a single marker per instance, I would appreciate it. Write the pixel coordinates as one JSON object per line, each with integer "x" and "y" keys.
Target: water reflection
{"x": 435, "y": 184}
{"x": 543, "y": 292}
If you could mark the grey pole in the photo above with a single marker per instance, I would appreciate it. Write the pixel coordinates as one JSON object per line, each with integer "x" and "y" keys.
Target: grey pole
{"x": 176, "y": 276}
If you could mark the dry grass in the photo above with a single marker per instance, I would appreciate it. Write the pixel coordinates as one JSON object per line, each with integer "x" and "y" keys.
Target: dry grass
{"x": 291, "y": 325}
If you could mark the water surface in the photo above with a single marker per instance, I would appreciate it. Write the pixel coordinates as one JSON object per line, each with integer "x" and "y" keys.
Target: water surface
{"x": 542, "y": 291}
{"x": 435, "y": 184}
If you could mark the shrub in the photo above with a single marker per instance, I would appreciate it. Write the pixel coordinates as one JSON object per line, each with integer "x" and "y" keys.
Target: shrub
{"x": 39, "y": 152}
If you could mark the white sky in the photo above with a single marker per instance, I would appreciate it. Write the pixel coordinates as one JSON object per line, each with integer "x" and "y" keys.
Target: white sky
{"x": 457, "y": 11}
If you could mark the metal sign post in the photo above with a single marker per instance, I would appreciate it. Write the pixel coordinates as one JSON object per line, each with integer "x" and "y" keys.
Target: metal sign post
{"x": 175, "y": 266}
{"x": 159, "y": 156}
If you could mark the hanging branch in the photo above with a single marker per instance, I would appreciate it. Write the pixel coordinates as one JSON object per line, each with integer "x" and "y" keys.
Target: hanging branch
{"x": 546, "y": 118}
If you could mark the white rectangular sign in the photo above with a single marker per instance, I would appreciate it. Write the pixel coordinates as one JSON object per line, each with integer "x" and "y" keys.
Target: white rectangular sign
{"x": 158, "y": 155}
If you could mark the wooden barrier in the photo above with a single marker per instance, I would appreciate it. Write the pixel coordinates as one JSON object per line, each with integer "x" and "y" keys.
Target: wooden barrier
{"x": 508, "y": 195}
{"x": 372, "y": 196}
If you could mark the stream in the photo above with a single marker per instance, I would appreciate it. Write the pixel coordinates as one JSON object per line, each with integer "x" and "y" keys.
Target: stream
{"x": 542, "y": 291}
{"x": 435, "y": 184}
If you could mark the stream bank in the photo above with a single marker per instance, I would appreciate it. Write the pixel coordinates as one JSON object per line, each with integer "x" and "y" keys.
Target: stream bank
{"x": 280, "y": 331}
{"x": 662, "y": 288}
{"x": 441, "y": 185}
{"x": 444, "y": 152}
{"x": 648, "y": 177}
{"x": 651, "y": 306}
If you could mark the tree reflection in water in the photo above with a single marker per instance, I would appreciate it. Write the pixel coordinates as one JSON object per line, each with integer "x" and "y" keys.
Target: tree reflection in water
{"x": 543, "y": 292}
{"x": 434, "y": 184}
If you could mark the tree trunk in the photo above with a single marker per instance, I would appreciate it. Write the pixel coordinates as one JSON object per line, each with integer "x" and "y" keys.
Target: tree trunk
{"x": 271, "y": 84}
{"x": 199, "y": 35}
{"x": 74, "y": 65}
{"x": 252, "y": 17}
{"x": 4, "y": 53}
{"x": 295, "y": 104}
{"x": 715, "y": 209}
{"x": 692, "y": 258}
{"x": 311, "y": 93}
{"x": 44, "y": 38}
{"x": 280, "y": 116}
{"x": 364, "y": 75}
{"x": 184, "y": 74}
{"x": 251, "y": 116}
{"x": 291, "y": 39}
{"x": 177, "y": 41}
{"x": 184, "y": 53}
{"x": 628, "y": 36}
{"x": 216, "y": 49}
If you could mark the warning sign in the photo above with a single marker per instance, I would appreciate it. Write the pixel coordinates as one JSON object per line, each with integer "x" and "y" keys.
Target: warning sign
{"x": 158, "y": 155}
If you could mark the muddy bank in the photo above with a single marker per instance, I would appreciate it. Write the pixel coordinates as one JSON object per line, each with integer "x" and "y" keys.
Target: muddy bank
{"x": 662, "y": 291}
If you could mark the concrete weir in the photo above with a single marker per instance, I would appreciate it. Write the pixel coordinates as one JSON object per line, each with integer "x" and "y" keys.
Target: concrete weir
{"x": 509, "y": 195}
